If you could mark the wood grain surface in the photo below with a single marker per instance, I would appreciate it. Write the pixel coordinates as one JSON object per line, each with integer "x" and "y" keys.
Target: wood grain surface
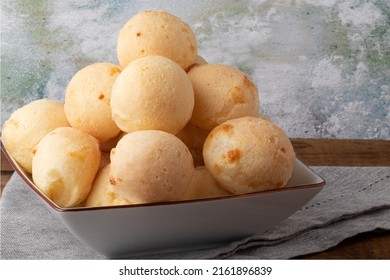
{"x": 328, "y": 152}
{"x": 343, "y": 152}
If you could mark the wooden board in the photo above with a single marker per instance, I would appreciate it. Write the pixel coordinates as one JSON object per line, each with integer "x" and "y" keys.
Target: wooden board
{"x": 336, "y": 152}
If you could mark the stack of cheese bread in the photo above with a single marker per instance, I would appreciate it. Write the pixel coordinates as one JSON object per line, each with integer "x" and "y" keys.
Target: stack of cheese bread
{"x": 162, "y": 125}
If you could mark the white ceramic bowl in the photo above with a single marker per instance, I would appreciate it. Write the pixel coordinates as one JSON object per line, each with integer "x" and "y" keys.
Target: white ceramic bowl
{"x": 123, "y": 231}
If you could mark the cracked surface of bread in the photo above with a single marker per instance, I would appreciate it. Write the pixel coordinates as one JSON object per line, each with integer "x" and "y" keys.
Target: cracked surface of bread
{"x": 65, "y": 164}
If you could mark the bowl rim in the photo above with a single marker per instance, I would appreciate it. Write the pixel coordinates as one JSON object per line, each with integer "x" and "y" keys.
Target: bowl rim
{"x": 28, "y": 180}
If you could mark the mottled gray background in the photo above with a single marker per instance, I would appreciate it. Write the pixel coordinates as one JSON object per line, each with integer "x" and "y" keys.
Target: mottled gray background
{"x": 322, "y": 67}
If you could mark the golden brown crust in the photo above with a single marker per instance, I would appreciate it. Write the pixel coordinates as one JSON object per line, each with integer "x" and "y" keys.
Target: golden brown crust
{"x": 222, "y": 92}
{"x": 87, "y": 100}
{"x": 150, "y": 166}
{"x": 103, "y": 192}
{"x": 156, "y": 33}
{"x": 65, "y": 164}
{"x": 152, "y": 93}
{"x": 203, "y": 185}
{"x": 26, "y": 126}
{"x": 249, "y": 154}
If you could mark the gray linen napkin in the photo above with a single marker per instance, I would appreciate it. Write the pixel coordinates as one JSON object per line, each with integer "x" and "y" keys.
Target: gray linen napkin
{"x": 355, "y": 200}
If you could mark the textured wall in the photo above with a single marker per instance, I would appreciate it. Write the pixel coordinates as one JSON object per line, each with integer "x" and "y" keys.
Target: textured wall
{"x": 322, "y": 67}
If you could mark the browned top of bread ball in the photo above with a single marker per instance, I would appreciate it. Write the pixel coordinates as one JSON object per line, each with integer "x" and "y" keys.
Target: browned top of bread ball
{"x": 152, "y": 93}
{"x": 156, "y": 33}
{"x": 249, "y": 154}
{"x": 222, "y": 92}
{"x": 87, "y": 100}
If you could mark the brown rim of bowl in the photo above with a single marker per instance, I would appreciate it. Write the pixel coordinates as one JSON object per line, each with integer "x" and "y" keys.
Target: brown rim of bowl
{"x": 28, "y": 180}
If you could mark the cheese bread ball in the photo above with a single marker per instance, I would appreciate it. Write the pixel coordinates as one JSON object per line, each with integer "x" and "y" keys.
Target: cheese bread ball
{"x": 104, "y": 159}
{"x": 152, "y": 93}
{"x": 150, "y": 166}
{"x": 156, "y": 33}
{"x": 102, "y": 192}
{"x": 199, "y": 60}
{"x": 26, "y": 126}
{"x": 249, "y": 154}
{"x": 111, "y": 143}
{"x": 194, "y": 138}
{"x": 222, "y": 92}
{"x": 203, "y": 185}
{"x": 87, "y": 100}
{"x": 65, "y": 164}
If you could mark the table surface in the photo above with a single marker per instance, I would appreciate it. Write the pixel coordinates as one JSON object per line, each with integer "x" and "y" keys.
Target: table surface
{"x": 327, "y": 152}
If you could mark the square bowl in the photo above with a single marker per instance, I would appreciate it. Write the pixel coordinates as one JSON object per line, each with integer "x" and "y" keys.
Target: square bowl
{"x": 135, "y": 230}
